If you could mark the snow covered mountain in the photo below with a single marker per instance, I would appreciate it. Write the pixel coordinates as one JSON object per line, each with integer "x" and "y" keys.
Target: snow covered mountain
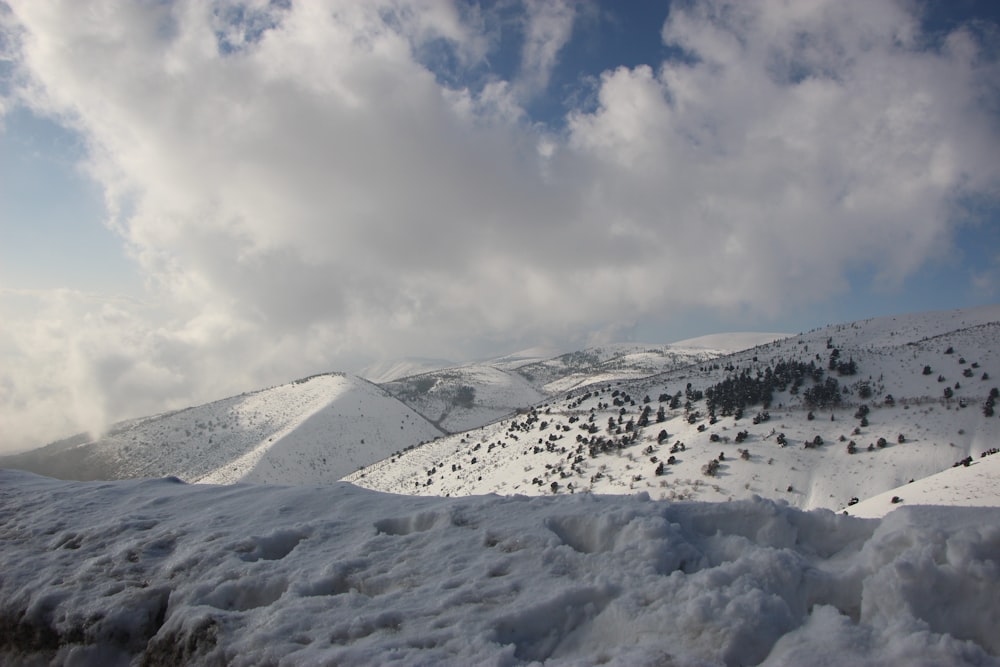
{"x": 845, "y": 411}
{"x": 314, "y": 430}
{"x": 466, "y": 397}
{"x": 157, "y": 572}
{"x": 906, "y": 394}
{"x": 611, "y": 363}
{"x": 321, "y": 428}
{"x": 387, "y": 371}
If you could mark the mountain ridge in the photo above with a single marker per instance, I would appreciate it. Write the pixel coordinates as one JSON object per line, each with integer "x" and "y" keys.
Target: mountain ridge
{"x": 478, "y": 428}
{"x": 914, "y": 424}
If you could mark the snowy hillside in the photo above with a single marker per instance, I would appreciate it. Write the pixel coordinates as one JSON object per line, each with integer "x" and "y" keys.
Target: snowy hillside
{"x": 326, "y": 427}
{"x": 609, "y": 363}
{"x": 387, "y": 371}
{"x": 464, "y": 397}
{"x": 467, "y": 397}
{"x": 727, "y": 343}
{"x": 970, "y": 483}
{"x": 158, "y": 572}
{"x": 845, "y": 411}
{"x": 314, "y": 430}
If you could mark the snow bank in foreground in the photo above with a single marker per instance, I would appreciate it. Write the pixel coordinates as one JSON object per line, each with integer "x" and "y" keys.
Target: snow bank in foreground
{"x": 160, "y": 573}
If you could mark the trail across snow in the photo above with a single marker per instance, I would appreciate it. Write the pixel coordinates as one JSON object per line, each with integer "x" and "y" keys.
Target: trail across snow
{"x": 159, "y": 572}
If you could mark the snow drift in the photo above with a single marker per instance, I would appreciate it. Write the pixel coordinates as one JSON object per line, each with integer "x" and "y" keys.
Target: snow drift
{"x": 159, "y": 572}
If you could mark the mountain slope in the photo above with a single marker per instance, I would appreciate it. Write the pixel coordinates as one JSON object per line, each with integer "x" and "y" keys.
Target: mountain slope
{"x": 314, "y": 430}
{"x": 464, "y": 397}
{"x": 924, "y": 377}
{"x": 974, "y": 483}
{"x": 609, "y": 363}
{"x": 387, "y": 371}
{"x": 727, "y": 343}
{"x": 310, "y": 431}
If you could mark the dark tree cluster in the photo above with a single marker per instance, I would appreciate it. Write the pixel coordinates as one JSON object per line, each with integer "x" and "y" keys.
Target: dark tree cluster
{"x": 737, "y": 392}
{"x": 812, "y": 444}
{"x": 823, "y": 394}
{"x": 847, "y": 368}
{"x": 465, "y": 396}
{"x": 990, "y": 402}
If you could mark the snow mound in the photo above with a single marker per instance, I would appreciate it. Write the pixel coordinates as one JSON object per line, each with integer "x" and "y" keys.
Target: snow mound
{"x": 974, "y": 485}
{"x": 159, "y": 572}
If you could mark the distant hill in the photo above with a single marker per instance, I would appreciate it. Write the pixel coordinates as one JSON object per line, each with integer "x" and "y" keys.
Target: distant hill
{"x": 730, "y": 342}
{"x": 465, "y": 397}
{"x": 313, "y": 430}
{"x": 387, "y": 371}
{"x": 845, "y": 411}
{"x": 905, "y": 394}
{"x": 321, "y": 428}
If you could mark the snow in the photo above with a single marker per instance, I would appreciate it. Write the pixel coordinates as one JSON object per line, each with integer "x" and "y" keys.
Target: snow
{"x": 527, "y": 452}
{"x": 310, "y": 431}
{"x": 158, "y": 572}
{"x": 351, "y": 424}
{"x": 730, "y": 342}
{"x": 387, "y": 371}
{"x": 531, "y": 355}
{"x": 610, "y": 363}
{"x": 974, "y": 485}
{"x": 435, "y": 395}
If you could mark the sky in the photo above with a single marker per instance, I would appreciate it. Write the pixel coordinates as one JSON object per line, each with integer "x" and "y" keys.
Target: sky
{"x": 204, "y": 197}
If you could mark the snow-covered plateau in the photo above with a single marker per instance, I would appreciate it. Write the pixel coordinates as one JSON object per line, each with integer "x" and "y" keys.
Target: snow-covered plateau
{"x": 159, "y": 572}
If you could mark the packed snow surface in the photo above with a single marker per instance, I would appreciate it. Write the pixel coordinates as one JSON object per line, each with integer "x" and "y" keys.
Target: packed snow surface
{"x": 976, "y": 484}
{"x": 159, "y": 572}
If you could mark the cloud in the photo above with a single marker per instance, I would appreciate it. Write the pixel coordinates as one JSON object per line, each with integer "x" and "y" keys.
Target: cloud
{"x": 78, "y": 359}
{"x": 304, "y": 191}
{"x": 548, "y": 27}
{"x": 791, "y": 145}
